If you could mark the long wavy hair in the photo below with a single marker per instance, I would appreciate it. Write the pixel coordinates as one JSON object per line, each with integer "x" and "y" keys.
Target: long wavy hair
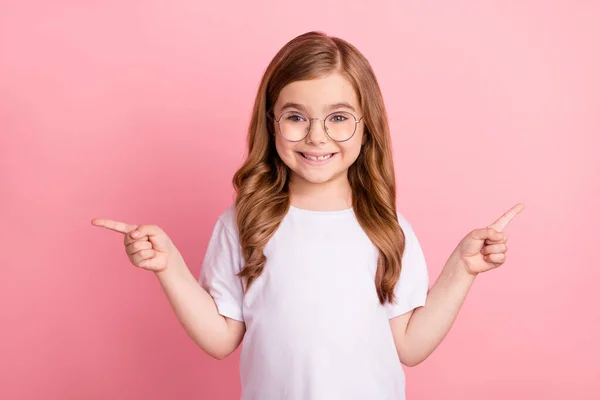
{"x": 261, "y": 184}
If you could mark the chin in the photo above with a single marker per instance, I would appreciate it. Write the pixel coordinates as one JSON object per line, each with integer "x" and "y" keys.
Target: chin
{"x": 318, "y": 179}
{"x": 315, "y": 178}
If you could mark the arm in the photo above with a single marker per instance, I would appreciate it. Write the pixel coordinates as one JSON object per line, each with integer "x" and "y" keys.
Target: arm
{"x": 418, "y": 332}
{"x": 196, "y": 310}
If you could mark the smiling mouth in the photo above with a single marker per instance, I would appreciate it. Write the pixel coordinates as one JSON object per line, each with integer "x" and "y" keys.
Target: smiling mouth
{"x": 317, "y": 158}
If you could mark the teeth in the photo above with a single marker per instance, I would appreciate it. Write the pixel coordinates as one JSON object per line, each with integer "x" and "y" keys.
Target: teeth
{"x": 319, "y": 158}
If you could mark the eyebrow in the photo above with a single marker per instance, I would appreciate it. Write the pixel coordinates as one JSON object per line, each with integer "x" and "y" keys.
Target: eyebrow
{"x": 330, "y": 107}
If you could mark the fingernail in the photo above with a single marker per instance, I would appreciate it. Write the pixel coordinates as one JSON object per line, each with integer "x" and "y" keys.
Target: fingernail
{"x": 135, "y": 233}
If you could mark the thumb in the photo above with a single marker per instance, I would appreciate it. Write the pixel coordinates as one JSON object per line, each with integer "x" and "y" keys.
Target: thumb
{"x": 487, "y": 233}
{"x": 146, "y": 230}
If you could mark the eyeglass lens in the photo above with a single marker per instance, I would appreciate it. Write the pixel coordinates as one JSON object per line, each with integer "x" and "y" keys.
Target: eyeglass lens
{"x": 295, "y": 126}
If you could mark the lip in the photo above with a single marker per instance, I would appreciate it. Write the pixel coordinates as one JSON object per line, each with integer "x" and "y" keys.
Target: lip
{"x": 318, "y": 154}
{"x": 317, "y": 162}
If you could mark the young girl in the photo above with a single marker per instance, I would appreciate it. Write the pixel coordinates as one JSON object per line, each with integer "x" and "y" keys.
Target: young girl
{"x": 313, "y": 266}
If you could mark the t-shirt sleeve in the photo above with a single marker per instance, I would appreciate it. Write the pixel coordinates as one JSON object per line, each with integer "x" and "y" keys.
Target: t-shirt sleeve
{"x": 413, "y": 284}
{"x": 222, "y": 262}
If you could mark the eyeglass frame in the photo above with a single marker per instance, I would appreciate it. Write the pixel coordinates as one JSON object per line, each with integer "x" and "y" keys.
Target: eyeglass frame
{"x": 310, "y": 120}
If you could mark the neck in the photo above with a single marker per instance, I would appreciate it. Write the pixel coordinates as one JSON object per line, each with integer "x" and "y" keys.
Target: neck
{"x": 325, "y": 196}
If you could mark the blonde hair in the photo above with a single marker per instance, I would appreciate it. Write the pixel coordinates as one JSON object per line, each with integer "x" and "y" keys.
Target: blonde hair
{"x": 261, "y": 184}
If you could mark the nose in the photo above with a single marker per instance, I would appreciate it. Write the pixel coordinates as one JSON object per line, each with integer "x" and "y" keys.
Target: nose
{"x": 317, "y": 133}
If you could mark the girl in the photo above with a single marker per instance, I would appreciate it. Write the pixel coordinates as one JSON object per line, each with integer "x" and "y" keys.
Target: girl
{"x": 313, "y": 266}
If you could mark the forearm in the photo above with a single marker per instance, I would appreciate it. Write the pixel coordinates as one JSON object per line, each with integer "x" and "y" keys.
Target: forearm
{"x": 429, "y": 324}
{"x": 196, "y": 310}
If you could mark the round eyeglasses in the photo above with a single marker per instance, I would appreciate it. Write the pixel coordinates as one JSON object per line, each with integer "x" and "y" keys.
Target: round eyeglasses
{"x": 340, "y": 126}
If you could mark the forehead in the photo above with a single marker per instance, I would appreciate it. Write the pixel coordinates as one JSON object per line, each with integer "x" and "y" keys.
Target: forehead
{"x": 316, "y": 95}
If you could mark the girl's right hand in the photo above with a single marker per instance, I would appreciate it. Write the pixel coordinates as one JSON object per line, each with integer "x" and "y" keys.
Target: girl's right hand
{"x": 147, "y": 246}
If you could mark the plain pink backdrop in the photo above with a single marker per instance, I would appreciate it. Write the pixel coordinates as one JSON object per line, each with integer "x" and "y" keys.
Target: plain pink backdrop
{"x": 137, "y": 111}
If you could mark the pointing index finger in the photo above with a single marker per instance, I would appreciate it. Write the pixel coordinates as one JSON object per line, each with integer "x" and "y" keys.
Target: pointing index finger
{"x": 116, "y": 226}
{"x": 501, "y": 222}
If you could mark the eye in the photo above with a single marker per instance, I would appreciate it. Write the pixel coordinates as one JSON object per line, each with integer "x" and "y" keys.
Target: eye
{"x": 338, "y": 118}
{"x": 294, "y": 117}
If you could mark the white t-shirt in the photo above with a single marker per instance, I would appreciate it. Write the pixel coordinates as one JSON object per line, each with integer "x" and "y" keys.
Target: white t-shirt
{"x": 315, "y": 329}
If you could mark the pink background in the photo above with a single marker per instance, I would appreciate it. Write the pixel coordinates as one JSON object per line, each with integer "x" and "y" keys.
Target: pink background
{"x": 138, "y": 111}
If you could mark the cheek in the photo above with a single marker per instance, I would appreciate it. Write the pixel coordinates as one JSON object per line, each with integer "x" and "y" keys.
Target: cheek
{"x": 351, "y": 149}
{"x": 351, "y": 155}
{"x": 284, "y": 148}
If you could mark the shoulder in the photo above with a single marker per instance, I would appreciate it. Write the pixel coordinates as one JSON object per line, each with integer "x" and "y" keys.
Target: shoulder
{"x": 412, "y": 245}
{"x": 411, "y": 241}
{"x": 404, "y": 223}
{"x": 229, "y": 221}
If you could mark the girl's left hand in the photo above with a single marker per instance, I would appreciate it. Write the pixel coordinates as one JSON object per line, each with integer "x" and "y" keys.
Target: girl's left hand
{"x": 485, "y": 249}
